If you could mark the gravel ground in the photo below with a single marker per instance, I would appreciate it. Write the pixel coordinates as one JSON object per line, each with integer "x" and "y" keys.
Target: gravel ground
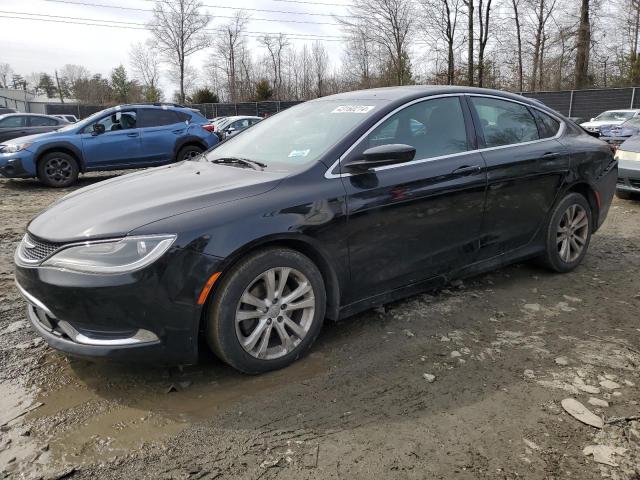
{"x": 505, "y": 349}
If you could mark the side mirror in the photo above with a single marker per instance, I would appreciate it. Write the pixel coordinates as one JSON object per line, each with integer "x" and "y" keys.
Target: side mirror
{"x": 592, "y": 120}
{"x": 383, "y": 155}
{"x": 98, "y": 128}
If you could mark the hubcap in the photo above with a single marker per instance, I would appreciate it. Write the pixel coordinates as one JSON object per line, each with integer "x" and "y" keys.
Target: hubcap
{"x": 572, "y": 234}
{"x": 275, "y": 313}
{"x": 191, "y": 154}
{"x": 58, "y": 169}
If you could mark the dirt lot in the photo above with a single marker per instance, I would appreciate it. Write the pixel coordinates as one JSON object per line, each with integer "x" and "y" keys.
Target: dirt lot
{"x": 505, "y": 349}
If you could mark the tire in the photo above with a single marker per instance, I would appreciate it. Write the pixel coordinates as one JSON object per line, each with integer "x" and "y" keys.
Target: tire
{"x": 188, "y": 152}
{"x": 242, "y": 344}
{"x": 622, "y": 195}
{"x": 566, "y": 246}
{"x": 58, "y": 169}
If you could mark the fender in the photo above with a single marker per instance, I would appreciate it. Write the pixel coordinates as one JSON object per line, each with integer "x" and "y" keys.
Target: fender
{"x": 62, "y": 145}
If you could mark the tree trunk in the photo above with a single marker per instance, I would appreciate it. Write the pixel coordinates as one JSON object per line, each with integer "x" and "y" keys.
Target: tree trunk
{"x": 536, "y": 47}
{"x": 582, "y": 47}
{"x": 519, "y": 39}
{"x": 470, "y": 54}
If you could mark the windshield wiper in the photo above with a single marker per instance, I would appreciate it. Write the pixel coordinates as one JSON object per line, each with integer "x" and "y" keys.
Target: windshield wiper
{"x": 241, "y": 161}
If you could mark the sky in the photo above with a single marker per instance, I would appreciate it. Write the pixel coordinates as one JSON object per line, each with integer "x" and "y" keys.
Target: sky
{"x": 30, "y": 44}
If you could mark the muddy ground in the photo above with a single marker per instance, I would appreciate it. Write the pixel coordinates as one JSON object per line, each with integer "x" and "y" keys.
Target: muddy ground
{"x": 505, "y": 348}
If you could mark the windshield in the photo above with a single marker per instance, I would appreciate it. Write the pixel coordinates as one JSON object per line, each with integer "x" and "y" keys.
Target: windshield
{"x": 616, "y": 116}
{"x": 82, "y": 123}
{"x": 633, "y": 123}
{"x": 299, "y": 135}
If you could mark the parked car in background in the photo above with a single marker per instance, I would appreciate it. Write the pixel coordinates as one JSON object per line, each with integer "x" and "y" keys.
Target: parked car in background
{"x": 610, "y": 117}
{"x": 68, "y": 118}
{"x": 14, "y": 125}
{"x": 628, "y": 156}
{"x": 4, "y": 110}
{"x": 614, "y": 135}
{"x": 231, "y": 126}
{"x": 126, "y": 136}
{"x": 216, "y": 119}
{"x": 326, "y": 209}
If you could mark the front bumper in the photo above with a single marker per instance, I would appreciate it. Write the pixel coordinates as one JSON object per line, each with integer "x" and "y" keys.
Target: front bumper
{"x": 628, "y": 176}
{"x": 151, "y": 315}
{"x": 17, "y": 165}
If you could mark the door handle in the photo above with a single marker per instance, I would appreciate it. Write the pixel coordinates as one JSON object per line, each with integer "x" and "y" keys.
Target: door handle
{"x": 467, "y": 170}
{"x": 181, "y": 130}
{"x": 550, "y": 155}
{"x": 133, "y": 134}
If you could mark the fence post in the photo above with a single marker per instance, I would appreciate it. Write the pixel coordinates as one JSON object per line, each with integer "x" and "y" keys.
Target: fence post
{"x": 571, "y": 104}
{"x": 633, "y": 96}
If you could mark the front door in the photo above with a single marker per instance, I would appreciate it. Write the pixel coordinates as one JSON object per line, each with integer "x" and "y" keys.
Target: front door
{"x": 414, "y": 221}
{"x": 118, "y": 144}
{"x": 526, "y": 166}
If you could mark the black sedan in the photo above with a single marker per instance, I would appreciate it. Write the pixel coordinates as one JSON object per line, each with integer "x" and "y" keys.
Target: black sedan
{"x": 321, "y": 211}
{"x": 14, "y": 125}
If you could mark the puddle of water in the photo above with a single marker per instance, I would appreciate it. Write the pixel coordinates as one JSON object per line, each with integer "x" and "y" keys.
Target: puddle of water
{"x": 139, "y": 409}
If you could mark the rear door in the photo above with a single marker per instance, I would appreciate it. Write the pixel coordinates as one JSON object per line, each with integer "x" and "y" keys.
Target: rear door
{"x": 118, "y": 146}
{"x": 526, "y": 166}
{"x": 13, "y": 126}
{"x": 418, "y": 220}
{"x": 161, "y": 129}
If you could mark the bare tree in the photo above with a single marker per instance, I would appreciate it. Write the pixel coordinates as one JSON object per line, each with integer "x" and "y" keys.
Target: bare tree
{"x": 390, "y": 24}
{"x": 276, "y": 45}
{"x": 320, "y": 65}
{"x": 5, "y": 74}
{"x": 470, "y": 48}
{"x": 516, "y": 14}
{"x": 144, "y": 60}
{"x": 178, "y": 28}
{"x": 228, "y": 43}
{"x": 439, "y": 22}
{"x": 543, "y": 11}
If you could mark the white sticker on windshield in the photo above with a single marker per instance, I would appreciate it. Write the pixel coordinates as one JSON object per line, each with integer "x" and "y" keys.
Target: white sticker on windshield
{"x": 353, "y": 109}
{"x": 299, "y": 153}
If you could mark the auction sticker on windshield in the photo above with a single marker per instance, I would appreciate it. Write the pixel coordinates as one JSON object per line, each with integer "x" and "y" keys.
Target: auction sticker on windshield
{"x": 353, "y": 109}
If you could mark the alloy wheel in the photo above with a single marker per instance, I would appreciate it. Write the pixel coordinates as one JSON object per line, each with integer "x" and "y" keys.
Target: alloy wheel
{"x": 572, "y": 233}
{"x": 190, "y": 155}
{"x": 58, "y": 170}
{"x": 275, "y": 313}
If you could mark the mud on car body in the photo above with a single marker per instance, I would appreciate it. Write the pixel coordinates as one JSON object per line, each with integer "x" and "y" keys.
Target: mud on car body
{"x": 326, "y": 209}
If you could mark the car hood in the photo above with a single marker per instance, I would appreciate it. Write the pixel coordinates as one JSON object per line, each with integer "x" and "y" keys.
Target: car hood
{"x": 32, "y": 138}
{"x": 631, "y": 145}
{"x": 113, "y": 208}
{"x": 601, "y": 123}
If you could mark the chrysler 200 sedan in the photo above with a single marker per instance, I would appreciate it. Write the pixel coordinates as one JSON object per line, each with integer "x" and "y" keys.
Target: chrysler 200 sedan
{"x": 321, "y": 211}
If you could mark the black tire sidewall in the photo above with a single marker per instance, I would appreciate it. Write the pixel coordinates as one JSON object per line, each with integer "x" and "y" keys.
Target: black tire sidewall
{"x": 42, "y": 176}
{"x": 553, "y": 259}
{"x": 220, "y": 322}
{"x": 190, "y": 148}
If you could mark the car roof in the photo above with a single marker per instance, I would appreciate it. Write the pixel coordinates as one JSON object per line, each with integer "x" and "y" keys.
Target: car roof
{"x": 623, "y": 110}
{"x": 240, "y": 117}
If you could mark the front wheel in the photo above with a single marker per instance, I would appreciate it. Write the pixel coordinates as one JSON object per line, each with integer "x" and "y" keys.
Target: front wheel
{"x": 568, "y": 233}
{"x": 58, "y": 169}
{"x": 267, "y": 311}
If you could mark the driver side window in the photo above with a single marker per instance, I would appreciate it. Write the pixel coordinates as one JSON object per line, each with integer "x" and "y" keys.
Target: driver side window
{"x": 433, "y": 127}
{"x": 124, "y": 120}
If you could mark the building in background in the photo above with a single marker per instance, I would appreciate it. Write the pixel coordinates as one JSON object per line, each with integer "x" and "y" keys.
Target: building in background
{"x": 24, "y": 101}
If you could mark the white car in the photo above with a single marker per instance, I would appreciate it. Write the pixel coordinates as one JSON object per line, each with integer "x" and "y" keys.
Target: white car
{"x": 68, "y": 118}
{"x": 610, "y": 117}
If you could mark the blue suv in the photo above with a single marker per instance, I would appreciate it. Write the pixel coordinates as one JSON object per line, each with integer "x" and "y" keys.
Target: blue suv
{"x": 126, "y": 136}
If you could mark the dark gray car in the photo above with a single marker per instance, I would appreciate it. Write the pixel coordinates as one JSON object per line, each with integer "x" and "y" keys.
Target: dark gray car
{"x": 14, "y": 125}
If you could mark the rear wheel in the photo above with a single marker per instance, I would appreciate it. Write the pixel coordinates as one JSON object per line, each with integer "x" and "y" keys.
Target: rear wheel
{"x": 58, "y": 169}
{"x": 568, "y": 233}
{"x": 267, "y": 311}
{"x": 189, "y": 152}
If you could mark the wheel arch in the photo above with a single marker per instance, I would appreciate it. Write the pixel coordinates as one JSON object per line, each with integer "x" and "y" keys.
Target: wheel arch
{"x": 300, "y": 244}
{"x": 64, "y": 148}
{"x": 186, "y": 142}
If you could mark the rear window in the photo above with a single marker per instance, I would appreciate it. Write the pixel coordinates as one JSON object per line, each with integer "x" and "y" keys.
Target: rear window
{"x": 195, "y": 117}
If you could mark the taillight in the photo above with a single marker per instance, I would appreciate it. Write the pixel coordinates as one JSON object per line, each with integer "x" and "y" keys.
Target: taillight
{"x": 209, "y": 128}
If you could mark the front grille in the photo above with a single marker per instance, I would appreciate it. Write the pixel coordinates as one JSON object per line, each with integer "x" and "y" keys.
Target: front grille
{"x": 34, "y": 250}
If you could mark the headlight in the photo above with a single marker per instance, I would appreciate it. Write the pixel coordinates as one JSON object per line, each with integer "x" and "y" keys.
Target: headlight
{"x": 626, "y": 155}
{"x": 118, "y": 256}
{"x": 16, "y": 147}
